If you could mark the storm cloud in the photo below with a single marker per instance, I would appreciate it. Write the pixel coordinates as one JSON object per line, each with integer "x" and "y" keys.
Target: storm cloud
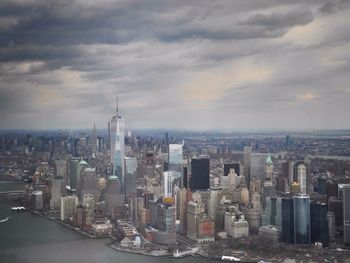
{"x": 195, "y": 64}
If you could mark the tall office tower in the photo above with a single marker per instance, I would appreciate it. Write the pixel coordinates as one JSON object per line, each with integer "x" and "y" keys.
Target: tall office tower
{"x": 331, "y": 226}
{"x": 200, "y": 174}
{"x": 234, "y": 180}
{"x": 61, "y": 168}
{"x": 319, "y": 223}
{"x": 75, "y": 167}
{"x": 269, "y": 188}
{"x": 301, "y": 171}
{"x": 94, "y": 139}
{"x": 257, "y": 168}
{"x": 194, "y": 210}
{"x": 346, "y": 203}
{"x": 115, "y": 200}
{"x": 213, "y": 200}
{"x": 130, "y": 175}
{"x": 88, "y": 183}
{"x": 185, "y": 177}
{"x": 287, "y": 220}
{"x": 181, "y": 206}
{"x": 175, "y": 163}
{"x": 168, "y": 184}
{"x": 228, "y": 166}
{"x": 336, "y": 205}
{"x": 68, "y": 207}
{"x": 247, "y": 161}
{"x": 117, "y": 145}
{"x": 302, "y": 231}
{"x": 290, "y": 172}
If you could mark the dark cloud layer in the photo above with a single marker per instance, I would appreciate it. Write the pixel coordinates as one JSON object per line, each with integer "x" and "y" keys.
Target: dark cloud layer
{"x": 177, "y": 64}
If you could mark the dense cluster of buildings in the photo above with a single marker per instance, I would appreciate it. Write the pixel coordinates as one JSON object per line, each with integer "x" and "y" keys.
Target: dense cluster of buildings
{"x": 166, "y": 190}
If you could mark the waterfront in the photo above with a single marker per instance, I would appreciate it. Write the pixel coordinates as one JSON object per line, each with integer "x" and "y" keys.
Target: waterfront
{"x": 30, "y": 238}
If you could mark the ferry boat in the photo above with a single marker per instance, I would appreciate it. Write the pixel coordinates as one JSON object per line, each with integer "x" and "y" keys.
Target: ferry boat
{"x": 18, "y": 209}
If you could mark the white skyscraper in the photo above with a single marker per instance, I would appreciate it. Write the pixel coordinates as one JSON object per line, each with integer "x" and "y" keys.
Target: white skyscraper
{"x": 168, "y": 186}
{"x": 117, "y": 145}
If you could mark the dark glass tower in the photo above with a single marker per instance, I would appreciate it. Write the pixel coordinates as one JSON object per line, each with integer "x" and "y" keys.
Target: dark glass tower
{"x": 287, "y": 220}
{"x": 200, "y": 174}
{"x": 319, "y": 223}
{"x": 228, "y": 166}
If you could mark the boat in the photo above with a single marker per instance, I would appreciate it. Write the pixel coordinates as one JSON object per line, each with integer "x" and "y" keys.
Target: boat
{"x": 230, "y": 258}
{"x": 18, "y": 209}
{"x": 4, "y": 220}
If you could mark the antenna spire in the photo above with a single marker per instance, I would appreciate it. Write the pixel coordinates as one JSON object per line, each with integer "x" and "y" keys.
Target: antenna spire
{"x": 116, "y": 106}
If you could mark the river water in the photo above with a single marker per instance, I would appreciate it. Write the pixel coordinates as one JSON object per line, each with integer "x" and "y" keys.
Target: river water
{"x": 29, "y": 238}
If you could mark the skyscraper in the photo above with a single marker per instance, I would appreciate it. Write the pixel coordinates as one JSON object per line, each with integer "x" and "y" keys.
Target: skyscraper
{"x": 302, "y": 230}
{"x": 287, "y": 220}
{"x": 175, "y": 163}
{"x": 200, "y": 174}
{"x": 94, "y": 139}
{"x": 168, "y": 186}
{"x": 247, "y": 160}
{"x": 257, "y": 168}
{"x": 117, "y": 145}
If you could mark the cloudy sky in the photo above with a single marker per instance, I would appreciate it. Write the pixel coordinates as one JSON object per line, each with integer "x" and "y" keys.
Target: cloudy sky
{"x": 279, "y": 64}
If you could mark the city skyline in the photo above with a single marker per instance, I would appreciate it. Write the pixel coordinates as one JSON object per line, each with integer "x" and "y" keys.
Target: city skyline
{"x": 229, "y": 65}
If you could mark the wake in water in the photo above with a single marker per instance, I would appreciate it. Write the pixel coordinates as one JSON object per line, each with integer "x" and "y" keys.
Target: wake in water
{"x": 4, "y": 220}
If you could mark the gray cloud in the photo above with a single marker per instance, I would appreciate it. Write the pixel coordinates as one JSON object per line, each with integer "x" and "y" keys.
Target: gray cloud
{"x": 176, "y": 64}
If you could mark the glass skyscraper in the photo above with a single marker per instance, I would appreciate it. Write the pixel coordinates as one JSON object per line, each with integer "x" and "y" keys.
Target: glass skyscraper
{"x": 117, "y": 145}
{"x": 302, "y": 230}
{"x": 175, "y": 163}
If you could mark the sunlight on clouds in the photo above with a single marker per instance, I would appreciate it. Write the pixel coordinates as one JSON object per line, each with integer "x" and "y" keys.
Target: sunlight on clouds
{"x": 211, "y": 85}
{"x": 307, "y": 96}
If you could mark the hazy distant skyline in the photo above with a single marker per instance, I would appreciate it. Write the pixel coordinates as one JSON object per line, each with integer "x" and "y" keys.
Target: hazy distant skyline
{"x": 265, "y": 64}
